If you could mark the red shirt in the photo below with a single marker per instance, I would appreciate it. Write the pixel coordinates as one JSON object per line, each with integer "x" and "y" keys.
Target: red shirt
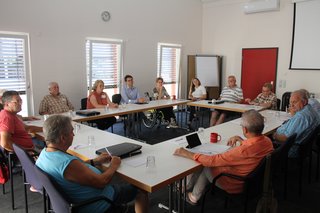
{"x": 102, "y": 99}
{"x": 10, "y": 123}
{"x": 240, "y": 161}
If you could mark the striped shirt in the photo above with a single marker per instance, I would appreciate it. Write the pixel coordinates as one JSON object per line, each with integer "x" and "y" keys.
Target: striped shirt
{"x": 231, "y": 94}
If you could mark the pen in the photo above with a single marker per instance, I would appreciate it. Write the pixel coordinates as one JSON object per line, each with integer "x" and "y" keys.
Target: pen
{"x": 108, "y": 152}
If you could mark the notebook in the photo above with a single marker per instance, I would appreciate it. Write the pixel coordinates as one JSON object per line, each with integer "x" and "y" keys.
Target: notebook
{"x": 122, "y": 150}
{"x": 87, "y": 113}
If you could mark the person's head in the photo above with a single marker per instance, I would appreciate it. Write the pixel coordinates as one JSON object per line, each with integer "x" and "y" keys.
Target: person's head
{"x": 98, "y": 86}
{"x": 298, "y": 100}
{"x": 252, "y": 123}
{"x": 11, "y": 101}
{"x": 58, "y": 130}
{"x": 53, "y": 88}
{"x": 232, "y": 82}
{"x": 129, "y": 80}
{"x": 159, "y": 82}
{"x": 1, "y": 93}
{"x": 266, "y": 89}
{"x": 307, "y": 92}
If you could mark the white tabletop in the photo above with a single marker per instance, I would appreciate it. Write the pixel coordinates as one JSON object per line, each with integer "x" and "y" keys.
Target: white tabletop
{"x": 226, "y": 106}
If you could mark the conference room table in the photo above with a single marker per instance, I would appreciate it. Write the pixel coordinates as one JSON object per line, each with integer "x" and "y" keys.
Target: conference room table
{"x": 169, "y": 169}
{"x": 227, "y": 106}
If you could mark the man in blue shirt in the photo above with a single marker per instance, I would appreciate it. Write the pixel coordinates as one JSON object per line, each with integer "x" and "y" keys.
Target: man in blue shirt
{"x": 130, "y": 93}
{"x": 303, "y": 122}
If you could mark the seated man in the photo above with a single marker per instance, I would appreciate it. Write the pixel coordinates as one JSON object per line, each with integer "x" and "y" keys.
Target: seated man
{"x": 94, "y": 179}
{"x": 55, "y": 102}
{"x": 12, "y": 128}
{"x": 303, "y": 121}
{"x": 130, "y": 93}
{"x": 265, "y": 99}
{"x": 240, "y": 160}
{"x": 231, "y": 93}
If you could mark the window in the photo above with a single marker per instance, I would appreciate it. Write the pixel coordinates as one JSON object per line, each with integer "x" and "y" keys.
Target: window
{"x": 104, "y": 62}
{"x": 169, "y": 66}
{"x": 14, "y": 69}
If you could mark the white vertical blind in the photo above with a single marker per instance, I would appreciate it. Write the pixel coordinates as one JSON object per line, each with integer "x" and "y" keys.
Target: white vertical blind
{"x": 104, "y": 62}
{"x": 12, "y": 63}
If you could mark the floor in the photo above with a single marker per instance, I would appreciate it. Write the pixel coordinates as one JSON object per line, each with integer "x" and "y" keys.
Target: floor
{"x": 307, "y": 203}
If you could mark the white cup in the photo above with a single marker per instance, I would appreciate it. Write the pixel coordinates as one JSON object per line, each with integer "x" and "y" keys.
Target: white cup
{"x": 214, "y": 101}
{"x": 151, "y": 162}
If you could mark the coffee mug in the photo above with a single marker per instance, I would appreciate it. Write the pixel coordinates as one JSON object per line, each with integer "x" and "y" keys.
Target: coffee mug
{"x": 214, "y": 137}
{"x": 173, "y": 97}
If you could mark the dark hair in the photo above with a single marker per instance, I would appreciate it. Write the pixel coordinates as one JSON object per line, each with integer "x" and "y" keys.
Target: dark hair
{"x": 159, "y": 78}
{"x": 253, "y": 121}
{"x": 193, "y": 86}
{"x": 7, "y": 96}
{"x": 127, "y": 76}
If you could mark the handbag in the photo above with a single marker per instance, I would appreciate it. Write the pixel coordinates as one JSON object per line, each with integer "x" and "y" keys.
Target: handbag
{"x": 4, "y": 170}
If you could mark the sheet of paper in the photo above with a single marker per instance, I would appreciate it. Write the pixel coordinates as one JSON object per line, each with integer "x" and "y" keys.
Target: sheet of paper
{"x": 179, "y": 141}
{"x": 135, "y": 161}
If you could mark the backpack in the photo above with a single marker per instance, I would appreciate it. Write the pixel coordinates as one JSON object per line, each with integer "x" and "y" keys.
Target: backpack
{"x": 4, "y": 170}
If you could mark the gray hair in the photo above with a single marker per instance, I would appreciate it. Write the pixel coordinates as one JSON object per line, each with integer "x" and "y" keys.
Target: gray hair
{"x": 302, "y": 94}
{"x": 253, "y": 121}
{"x": 8, "y": 95}
{"x": 306, "y": 92}
{"x": 51, "y": 84}
{"x": 56, "y": 126}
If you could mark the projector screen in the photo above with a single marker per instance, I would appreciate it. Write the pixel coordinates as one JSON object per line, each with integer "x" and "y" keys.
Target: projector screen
{"x": 305, "y": 51}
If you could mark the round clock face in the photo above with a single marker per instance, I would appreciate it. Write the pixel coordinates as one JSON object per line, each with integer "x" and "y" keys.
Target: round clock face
{"x": 105, "y": 15}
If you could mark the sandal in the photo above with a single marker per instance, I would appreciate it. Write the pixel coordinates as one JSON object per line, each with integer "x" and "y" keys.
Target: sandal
{"x": 191, "y": 200}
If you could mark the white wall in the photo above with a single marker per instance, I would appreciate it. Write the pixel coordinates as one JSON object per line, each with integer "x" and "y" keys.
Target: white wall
{"x": 226, "y": 30}
{"x": 58, "y": 30}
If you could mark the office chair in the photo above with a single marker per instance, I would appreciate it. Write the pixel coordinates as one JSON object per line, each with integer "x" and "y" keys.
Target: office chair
{"x": 59, "y": 201}
{"x": 285, "y": 101}
{"x": 29, "y": 174}
{"x": 253, "y": 183}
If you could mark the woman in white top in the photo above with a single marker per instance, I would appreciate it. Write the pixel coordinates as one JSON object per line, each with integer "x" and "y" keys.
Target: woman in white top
{"x": 196, "y": 92}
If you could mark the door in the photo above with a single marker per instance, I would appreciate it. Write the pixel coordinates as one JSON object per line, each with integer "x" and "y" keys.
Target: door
{"x": 259, "y": 65}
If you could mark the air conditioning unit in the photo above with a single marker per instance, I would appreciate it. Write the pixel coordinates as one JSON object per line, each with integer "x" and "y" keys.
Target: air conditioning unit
{"x": 257, "y": 6}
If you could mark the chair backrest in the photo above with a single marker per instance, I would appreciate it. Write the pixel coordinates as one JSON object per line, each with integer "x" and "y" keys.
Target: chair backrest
{"x": 285, "y": 101}
{"x": 305, "y": 148}
{"x": 27, "y": 163}
{"x": 116, "y": 98}
{"x": 84, "y": 103}
{"x": 58, "y": 199}
{"x": 254, "y": 181}
{"x": 278, "y": 104}
{"x": 280, "y": 154}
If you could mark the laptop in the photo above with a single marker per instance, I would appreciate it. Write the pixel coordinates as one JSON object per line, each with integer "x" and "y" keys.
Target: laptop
{"x": 122, "y": 150}
{"x": 87, "y": 113}
{"x": 193, "y": 140}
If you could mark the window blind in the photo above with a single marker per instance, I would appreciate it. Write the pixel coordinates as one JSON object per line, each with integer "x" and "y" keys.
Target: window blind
{"x": 104, "y": 62}
{"x": 12, "y": 64}
{"x": 168, "y": 63}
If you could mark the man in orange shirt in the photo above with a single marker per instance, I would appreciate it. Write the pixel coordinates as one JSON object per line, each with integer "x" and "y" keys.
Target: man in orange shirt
{"x": 240, "y": 160}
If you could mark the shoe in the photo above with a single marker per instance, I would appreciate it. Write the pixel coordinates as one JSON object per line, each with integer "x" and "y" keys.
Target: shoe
{"x": 164, "y": 122}
{"x": 34, "y": 189}
{"x": 173, "y": 124}
{"x": 191, "y": 200}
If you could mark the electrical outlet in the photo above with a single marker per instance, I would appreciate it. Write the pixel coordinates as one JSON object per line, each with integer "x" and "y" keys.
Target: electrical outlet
{"x": 280, "y": 83}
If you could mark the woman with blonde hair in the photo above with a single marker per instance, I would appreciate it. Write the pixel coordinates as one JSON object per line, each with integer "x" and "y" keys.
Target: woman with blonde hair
{"x": 100, "y": 99}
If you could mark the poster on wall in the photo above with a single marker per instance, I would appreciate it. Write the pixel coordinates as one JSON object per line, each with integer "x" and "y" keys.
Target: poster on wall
{"x": 207, "y": 70}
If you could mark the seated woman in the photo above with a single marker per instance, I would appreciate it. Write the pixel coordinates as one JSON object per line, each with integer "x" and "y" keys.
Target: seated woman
{"x": 160, "y": 92}
{"x": 83, "y": 180}
{"x": 196, "y": 92}
{"x": 100, "y": 99}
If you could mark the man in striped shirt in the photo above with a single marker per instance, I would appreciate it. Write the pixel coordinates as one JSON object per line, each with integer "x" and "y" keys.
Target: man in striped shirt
{"x": 231, "y": 93}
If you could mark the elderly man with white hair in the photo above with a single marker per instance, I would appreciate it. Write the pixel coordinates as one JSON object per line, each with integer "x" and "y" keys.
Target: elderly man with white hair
{"x": 55, "y": 102}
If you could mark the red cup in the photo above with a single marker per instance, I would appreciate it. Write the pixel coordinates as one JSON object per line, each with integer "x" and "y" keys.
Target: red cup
{"x": 215, "y": 137}
{"x": 173, "y": 97}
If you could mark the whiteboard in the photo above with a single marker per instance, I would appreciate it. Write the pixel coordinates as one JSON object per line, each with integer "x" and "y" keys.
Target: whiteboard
{"x": 207, "y": 70}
